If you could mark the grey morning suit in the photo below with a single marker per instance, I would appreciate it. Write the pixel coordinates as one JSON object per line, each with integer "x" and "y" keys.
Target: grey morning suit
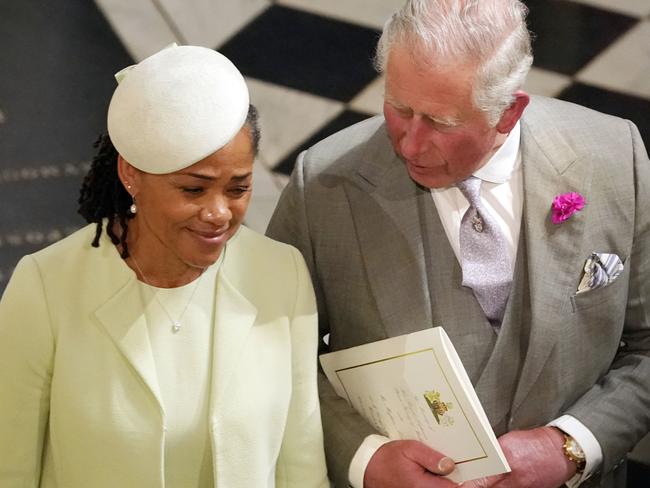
{"x": 382, "y": 266}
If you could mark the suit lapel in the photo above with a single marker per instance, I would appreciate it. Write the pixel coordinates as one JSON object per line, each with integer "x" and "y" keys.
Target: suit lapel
{"x": 383, "y": 205}
{"x": 550, "y": 167}
{"x": 123, "y": 319}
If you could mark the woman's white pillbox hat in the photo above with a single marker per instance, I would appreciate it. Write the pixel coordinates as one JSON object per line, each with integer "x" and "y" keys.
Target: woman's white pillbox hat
{"x": 176, "y": 107}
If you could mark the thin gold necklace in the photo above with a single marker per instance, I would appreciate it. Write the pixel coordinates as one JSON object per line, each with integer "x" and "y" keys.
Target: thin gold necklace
{"x": 176, "y": 323}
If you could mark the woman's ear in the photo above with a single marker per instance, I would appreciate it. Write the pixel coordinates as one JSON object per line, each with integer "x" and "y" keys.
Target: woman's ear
{"x": 513, "y": 113}
{"x": 128, "y": 175}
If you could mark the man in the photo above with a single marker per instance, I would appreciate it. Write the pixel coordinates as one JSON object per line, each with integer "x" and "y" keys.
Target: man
{"x": 381, "y": 212}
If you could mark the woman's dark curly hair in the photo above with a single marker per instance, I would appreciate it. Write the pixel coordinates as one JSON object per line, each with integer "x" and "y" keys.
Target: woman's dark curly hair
{"x": 103, "y": 196}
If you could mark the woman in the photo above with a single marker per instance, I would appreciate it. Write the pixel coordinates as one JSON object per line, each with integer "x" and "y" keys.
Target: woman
{"x": 165, "y": 345}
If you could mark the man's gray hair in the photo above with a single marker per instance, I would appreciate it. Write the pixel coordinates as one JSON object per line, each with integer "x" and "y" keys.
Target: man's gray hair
{"x": 490, "y": 34}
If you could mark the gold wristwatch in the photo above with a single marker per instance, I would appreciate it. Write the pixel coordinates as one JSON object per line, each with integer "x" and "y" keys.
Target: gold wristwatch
{"x": 574, "y": 453}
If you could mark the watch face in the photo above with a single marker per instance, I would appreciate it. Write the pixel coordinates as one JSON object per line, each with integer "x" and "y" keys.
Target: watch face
{"x": 574, "y": 453}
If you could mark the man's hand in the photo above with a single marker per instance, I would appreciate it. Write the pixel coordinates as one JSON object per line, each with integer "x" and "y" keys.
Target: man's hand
{"x": 408, "y": 464}
{"x": 536, "y": 459}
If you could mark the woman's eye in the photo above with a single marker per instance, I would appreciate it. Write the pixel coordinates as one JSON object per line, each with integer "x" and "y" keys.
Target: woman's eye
{"x": 192, "y": 189}
{"x": 240, "y": 190}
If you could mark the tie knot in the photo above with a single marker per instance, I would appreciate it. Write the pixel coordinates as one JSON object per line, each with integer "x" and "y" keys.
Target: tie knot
{"x": 471, "y": 189}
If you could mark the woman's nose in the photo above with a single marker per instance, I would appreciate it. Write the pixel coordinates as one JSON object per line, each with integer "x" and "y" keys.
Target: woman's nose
{"x": 216, "y": 212}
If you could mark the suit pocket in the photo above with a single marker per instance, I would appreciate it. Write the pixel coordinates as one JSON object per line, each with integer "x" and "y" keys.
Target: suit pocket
{"x": 615, "y": 291}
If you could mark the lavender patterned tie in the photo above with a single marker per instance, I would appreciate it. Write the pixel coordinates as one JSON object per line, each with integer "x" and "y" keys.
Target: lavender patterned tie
{"x": 484, "y": 254}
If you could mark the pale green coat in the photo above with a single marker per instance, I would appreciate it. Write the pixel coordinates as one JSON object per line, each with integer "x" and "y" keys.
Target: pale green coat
{"x": 79, "y": 398}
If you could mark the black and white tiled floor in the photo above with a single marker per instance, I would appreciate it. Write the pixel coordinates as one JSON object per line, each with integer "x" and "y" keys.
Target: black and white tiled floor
{"x": 308, "y": 64}
{"x": 309, "y": 68}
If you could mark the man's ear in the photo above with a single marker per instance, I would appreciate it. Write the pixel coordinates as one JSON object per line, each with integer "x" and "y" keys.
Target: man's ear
{"x": 513, "y": 113}
{"x": 128, "y": 175}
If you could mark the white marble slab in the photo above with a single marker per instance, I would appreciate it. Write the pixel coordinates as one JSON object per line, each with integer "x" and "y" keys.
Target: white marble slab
{"x": 211, "y": 22}
{"x": 546, "y": 83}
{"x": 371, "y": 99}
{"x": 266, "y": 192}
{"x": 139, "y": 25}
{"x": 287, "y": 118}
{"x": 146, "y": 27}
{"x": 625, "y": 65}
{"x": 371, "y": 13}
{"x": 636, "y": 8}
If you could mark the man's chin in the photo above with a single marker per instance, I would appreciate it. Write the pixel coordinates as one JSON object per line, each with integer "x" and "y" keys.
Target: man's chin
{"x": 430, "y": 181}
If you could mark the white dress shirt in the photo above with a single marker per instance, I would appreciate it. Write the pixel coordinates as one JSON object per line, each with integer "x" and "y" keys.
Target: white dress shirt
{"x": 502, "y": 193}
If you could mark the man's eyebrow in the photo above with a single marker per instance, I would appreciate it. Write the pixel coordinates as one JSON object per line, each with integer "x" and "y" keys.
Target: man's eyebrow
{"x": 392, "y": 101}
{"x": 450, "y": 122}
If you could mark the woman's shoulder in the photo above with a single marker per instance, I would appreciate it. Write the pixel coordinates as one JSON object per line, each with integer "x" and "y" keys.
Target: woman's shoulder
{"x": 70, "y": 247}
{"x": 256, "y": 252}
{"x": 252, "y": 240}
{"x": 71, "y": 258}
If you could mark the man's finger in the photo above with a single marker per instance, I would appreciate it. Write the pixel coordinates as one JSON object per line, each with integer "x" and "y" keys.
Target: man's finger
{"x": 430, "y": 459}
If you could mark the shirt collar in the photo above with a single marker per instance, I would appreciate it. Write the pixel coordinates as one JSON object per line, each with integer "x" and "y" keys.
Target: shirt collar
{"x": 499, "y": 167}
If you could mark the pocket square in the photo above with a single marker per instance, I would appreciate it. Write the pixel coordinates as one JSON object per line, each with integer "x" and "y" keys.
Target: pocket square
{"x": 601, "y": 269}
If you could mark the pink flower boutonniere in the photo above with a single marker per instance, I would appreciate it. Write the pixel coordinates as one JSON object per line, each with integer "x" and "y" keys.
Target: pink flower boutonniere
{"x": 565, "y": 205}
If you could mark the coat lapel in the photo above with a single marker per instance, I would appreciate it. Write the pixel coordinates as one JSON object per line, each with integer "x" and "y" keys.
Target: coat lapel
{"x": 550, "y": 167}
{"x": 384, "y": 207}
{"x": 123, "y": 319}
{"x": 234, "y": 317}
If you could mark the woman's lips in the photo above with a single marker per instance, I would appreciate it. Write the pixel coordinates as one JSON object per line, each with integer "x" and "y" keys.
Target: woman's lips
{"x": 210, "y": 236}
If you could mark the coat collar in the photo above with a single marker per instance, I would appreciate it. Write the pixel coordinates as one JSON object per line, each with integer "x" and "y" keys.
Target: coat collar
{"x": 122, "y": 317}
{"x": 383, "y": 198}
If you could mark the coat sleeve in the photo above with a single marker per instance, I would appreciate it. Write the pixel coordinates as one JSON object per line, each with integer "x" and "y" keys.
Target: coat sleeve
{"x": 302, "y": 459}
{"x": 344, "y": 429}
{"x": 26, "y": 355}
{"x": 617, "y": 408}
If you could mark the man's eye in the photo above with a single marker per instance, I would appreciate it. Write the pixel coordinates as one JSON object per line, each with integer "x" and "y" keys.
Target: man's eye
{"x": 404, "y": 112}
{"x": 439, "y": 125}
{"x": 192, "y": 189}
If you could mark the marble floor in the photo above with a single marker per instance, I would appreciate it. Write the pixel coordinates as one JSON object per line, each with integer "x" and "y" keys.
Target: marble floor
{"x": 308, "y": 65}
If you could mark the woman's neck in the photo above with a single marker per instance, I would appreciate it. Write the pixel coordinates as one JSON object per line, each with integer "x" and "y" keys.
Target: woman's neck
{"x": 153, "y": 267}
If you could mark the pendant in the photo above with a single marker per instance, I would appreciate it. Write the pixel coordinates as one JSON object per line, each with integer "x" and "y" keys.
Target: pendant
{"x": 176, "y": 326}
{"x": 477, "y": 223}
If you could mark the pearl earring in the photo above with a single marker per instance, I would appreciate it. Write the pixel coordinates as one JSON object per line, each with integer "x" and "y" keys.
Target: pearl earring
{"x": 133, "y": 208}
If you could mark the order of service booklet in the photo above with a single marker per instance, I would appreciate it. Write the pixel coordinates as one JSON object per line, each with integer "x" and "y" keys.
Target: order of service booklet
{"x": 415, "y": 387}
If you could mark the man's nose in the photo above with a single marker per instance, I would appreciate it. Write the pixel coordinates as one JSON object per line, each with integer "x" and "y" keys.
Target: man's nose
{"x": 415, "y": 139}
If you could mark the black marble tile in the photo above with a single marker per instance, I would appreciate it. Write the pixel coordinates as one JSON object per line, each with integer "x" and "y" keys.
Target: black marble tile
{"x": 343, "y": 120}
{"x": 307, "y": 52}
{"x": 568, "y": 35}
{"x": 58, "y": 62}
{"x": 638, "y": 474}
{"x": 627, "y": 106}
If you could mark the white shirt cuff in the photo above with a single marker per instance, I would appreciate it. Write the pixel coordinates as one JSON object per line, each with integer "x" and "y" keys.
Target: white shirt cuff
{"x": 588, "y": 443}
{"x": 362, "y": 457}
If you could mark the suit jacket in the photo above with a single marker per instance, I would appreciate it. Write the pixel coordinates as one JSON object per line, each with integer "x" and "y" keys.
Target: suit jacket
{"x": 80, "y": 403}
{"x": 382, "y": 266}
